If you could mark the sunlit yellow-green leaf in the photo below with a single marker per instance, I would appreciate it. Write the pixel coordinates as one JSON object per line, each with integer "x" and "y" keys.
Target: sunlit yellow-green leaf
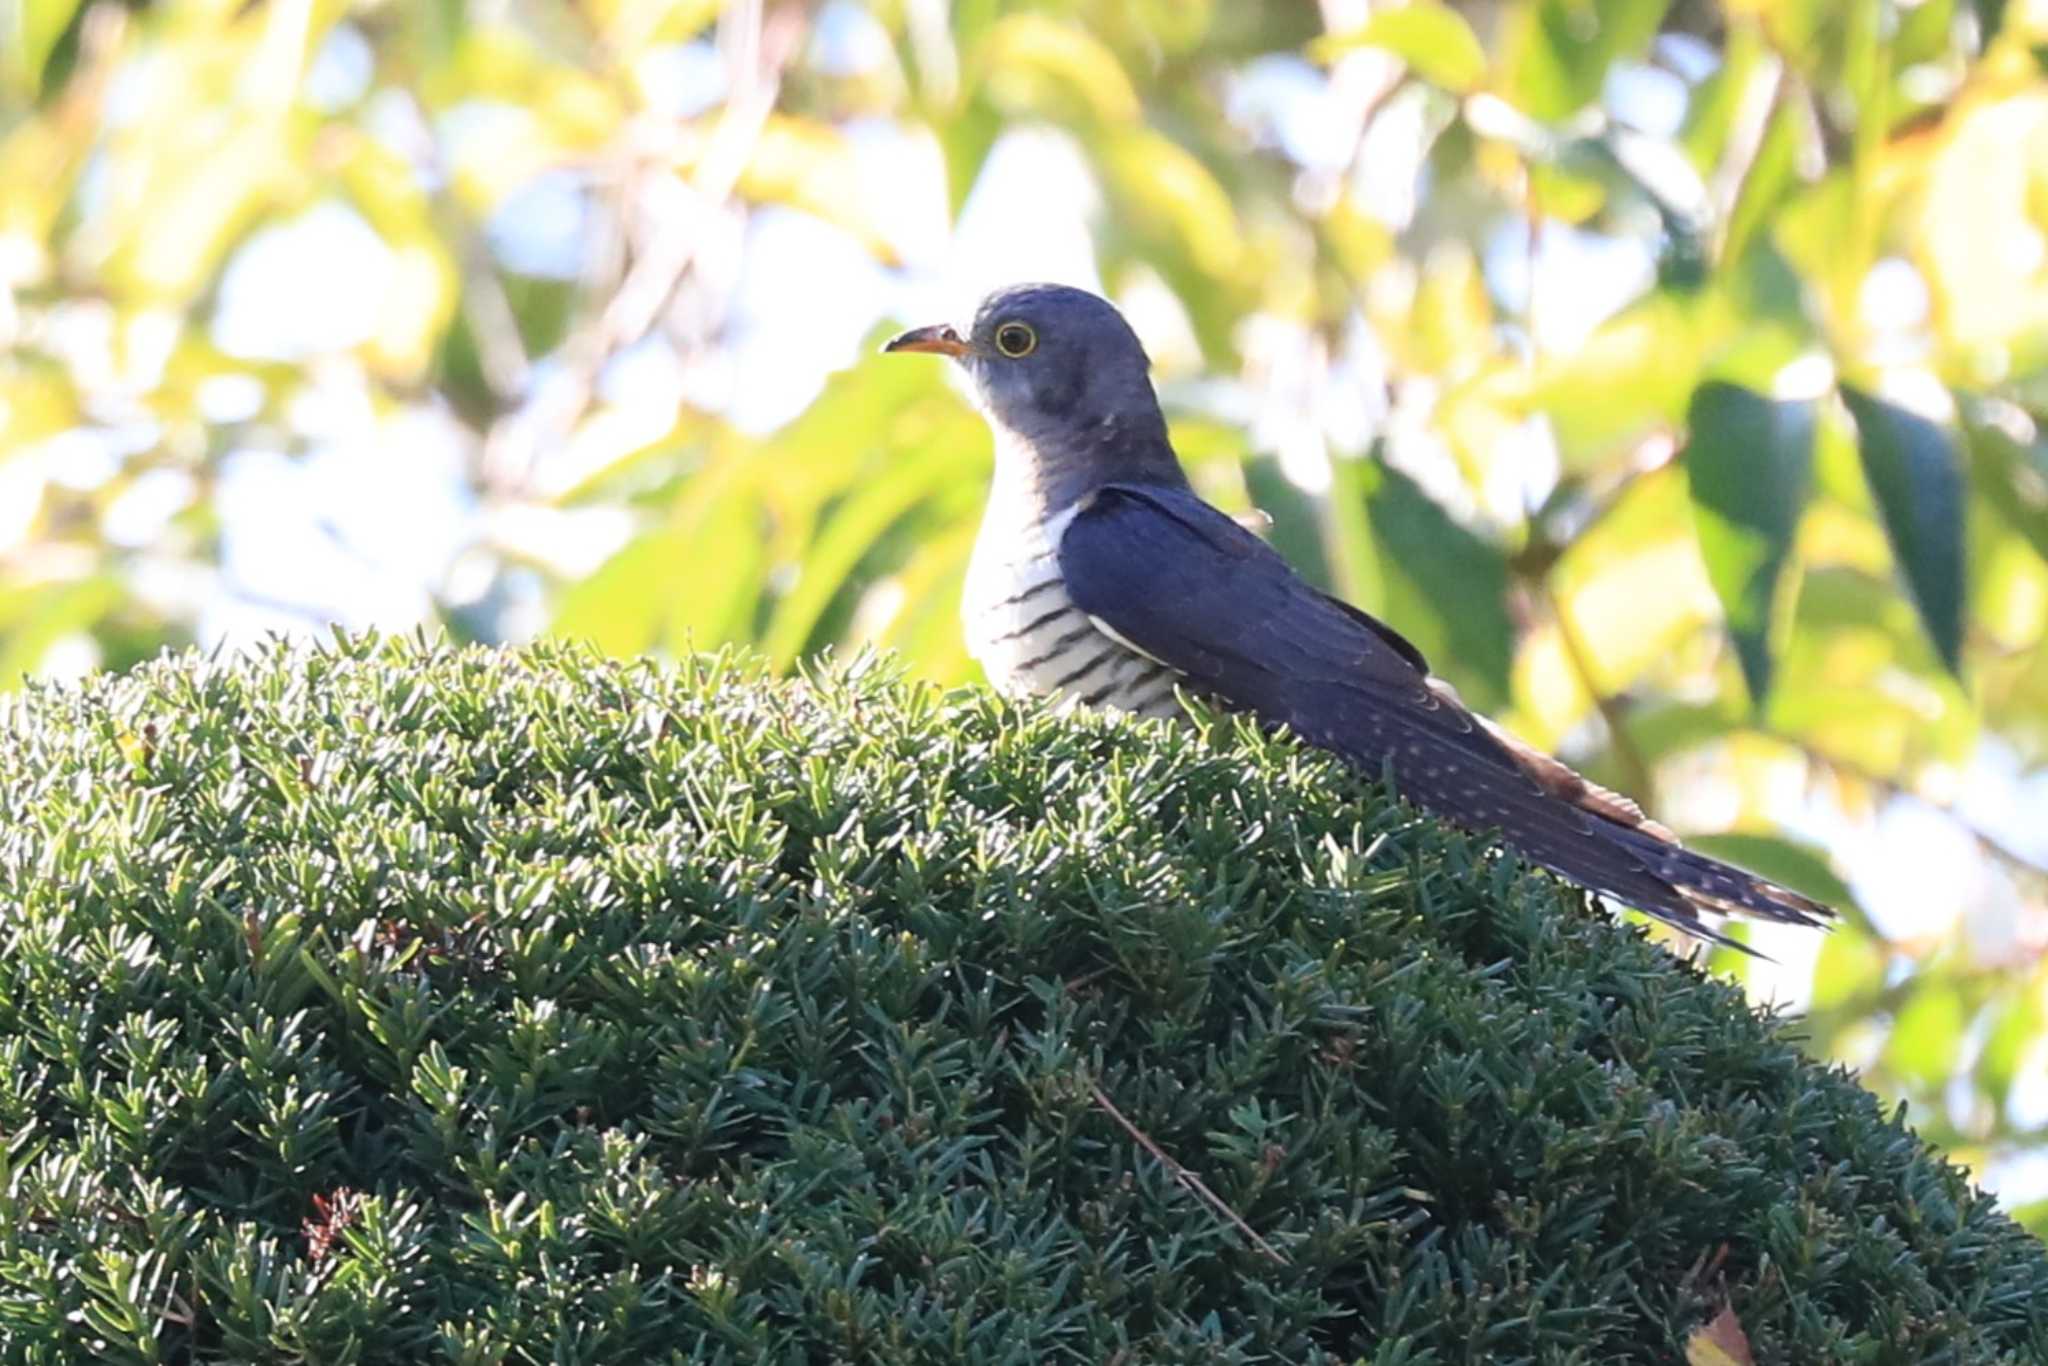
{"x": 1982, "y": 215}
{"x": 1433, "y": 39}
{"x": 1718, "y": 103}
{"x": 1350, "y": 556}
{"x": 189, "y": 212}
{"x": 693, "y": 582}
{"x": 810, "y": 166}
{"x": 1037, "y": 64}
{"x": 1452, "y": 323}
{"x": 1633, "y": 585}
{"x": 1660, "y": 729}
{"x": 1565, "y": 193}
{"x": 867, "y": 418}
{"x": 1171, "y": 193}
{"x": 36, "y": 401}
{"x": 39, "y": 166}
{"x": 635, "y": 25}
{"x": 1630, "y": 378}
{"x": 845, "y": 538}
{"x": 30, "y": 29}
{"x": 965, "y": 136}
{"x": 1859, "y": 680}
{"x": 924, "y": 625}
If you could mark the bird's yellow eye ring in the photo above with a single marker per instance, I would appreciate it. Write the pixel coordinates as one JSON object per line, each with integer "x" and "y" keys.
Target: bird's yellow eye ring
{"x": 1015, "y": 340}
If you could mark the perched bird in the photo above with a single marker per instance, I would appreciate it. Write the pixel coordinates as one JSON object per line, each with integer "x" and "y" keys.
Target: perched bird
{"x": 1100, "y": 576}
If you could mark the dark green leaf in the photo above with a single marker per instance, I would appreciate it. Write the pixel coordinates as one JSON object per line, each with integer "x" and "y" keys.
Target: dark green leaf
{"x": 1750, "y": 466}
{"x": 1990, "y": 19}
{"x": 1916, "y": 473}
{"x": 1295, "y": 532}
{"x": 1446, "y": 587}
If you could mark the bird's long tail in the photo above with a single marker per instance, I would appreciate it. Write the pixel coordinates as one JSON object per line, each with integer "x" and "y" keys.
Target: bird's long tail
{"x": 1701, "y": 882}
{"x": 1556, "y": 818}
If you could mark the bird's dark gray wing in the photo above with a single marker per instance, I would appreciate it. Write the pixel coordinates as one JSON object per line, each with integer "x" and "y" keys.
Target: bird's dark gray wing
{"x": 1181, "y": 581}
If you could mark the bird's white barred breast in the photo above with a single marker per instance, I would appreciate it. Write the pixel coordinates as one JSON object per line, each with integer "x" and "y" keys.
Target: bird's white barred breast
{"x": 1031, "y": 638}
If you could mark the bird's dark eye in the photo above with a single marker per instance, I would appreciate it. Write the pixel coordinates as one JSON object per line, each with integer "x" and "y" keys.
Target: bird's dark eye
{"x": 1016, "y": 339}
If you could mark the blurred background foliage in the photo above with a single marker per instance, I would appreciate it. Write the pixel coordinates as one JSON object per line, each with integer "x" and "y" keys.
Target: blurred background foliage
{"x": 1674, "y": 374}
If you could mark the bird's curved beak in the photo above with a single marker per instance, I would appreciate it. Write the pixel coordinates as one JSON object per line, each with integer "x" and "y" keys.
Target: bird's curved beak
{"x": 940, "y": 339}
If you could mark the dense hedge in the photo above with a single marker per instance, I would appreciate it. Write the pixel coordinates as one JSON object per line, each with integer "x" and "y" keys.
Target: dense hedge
{"x": 392, "y": 1003}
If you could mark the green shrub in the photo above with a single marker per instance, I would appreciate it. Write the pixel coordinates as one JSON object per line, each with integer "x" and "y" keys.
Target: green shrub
{"x": 387, "y": 1003}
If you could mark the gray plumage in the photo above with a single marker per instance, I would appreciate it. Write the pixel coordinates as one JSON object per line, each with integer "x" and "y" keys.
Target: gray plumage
{"x": 1101, "y": 578}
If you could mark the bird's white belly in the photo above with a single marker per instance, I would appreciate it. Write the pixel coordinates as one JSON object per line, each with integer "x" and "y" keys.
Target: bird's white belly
{"x": 1033, "y": 641}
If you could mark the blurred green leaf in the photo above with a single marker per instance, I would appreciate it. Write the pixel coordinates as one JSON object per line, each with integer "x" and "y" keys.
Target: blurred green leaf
{"x": 1561, "y": 50}
{"x": 34, "y": 619}
{"x": 809, "y": 164}
{"x": 1352, "y": 553}
{"x": 965, "y": 136}
{"x": 1662, "y": 729}
{"x": 925, "y": 628}
{"x": 1750, "y": 465}
{"x": 1632, "y": 584}
{"x": 1860, "y": 682}
{"x": 1713, "y": 113}
{"x": 1851, "y": 968}
{"x": 1990, "y": 18}
{"x": 691, "y": 585}
{"x": 1916, "y": 473}
{"x": 1772, "y": 176}
{"x": 1633, "y": 376}
{"x": 847, "y": 536}
{"x": 1036, "y": 64}
{"x": 1928, "y": 1031}
{"x": 2012, "y": 475}
{"x": 2015, "y": 1025}
{"x": 1433, "y": 39}
{"x": 1446, "y": 586}
{"x": 31, "y": 29}
{"x": 1170, "y": 212}
{"x": 1297, "y": 519}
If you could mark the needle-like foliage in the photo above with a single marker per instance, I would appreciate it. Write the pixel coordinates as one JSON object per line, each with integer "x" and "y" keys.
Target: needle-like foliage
{"x": 386, "y": 1002}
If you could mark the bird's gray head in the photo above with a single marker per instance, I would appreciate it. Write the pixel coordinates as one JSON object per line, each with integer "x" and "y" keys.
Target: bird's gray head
{"x": 1066, "y": 385}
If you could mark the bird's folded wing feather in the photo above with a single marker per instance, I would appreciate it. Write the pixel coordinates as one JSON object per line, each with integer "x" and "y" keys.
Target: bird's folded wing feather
{"x": 1187, "y": 585}
{"x": 1182, "y": 582}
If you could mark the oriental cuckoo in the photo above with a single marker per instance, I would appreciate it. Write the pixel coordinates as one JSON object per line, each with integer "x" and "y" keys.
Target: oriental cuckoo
{"x": 1101, "y": 578}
